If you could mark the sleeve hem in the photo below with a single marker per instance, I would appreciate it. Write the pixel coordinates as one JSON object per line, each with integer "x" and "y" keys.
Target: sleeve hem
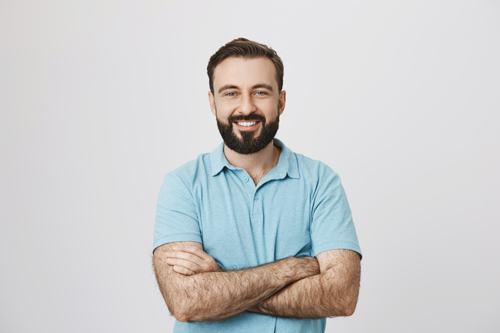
{"x": 337, "y": 246}
{"x": 177, "y": 238}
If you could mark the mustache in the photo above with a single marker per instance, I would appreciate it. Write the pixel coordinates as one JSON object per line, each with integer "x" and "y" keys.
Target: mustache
{"x": 250, "y": 117}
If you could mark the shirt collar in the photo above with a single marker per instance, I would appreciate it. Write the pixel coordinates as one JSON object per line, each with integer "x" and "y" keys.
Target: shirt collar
{"x": 287, "y": 164}
{"x": 218, "y": 160}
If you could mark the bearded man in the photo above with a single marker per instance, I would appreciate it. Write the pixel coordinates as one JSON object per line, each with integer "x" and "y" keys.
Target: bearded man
{"x": 254, "y": 237}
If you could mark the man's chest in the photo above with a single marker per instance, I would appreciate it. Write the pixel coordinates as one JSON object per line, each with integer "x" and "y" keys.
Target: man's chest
{"x": 243, "y": 225}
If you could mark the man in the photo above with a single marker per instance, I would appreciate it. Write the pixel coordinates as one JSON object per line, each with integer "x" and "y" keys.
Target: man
{"x": 253, "y": 237}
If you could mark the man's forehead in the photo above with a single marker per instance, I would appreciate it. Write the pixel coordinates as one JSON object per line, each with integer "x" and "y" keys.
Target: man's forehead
{"x": 245, "y": 71}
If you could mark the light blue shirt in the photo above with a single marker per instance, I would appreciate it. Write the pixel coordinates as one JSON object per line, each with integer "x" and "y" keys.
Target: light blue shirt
{"x": 298, "y": 209}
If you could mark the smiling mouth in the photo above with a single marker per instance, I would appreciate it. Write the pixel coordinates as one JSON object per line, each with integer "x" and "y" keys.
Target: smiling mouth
{"x": 246, "y": 123}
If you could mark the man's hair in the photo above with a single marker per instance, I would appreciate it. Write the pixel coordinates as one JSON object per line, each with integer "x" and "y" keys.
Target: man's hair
{"x": 242, "y": 47}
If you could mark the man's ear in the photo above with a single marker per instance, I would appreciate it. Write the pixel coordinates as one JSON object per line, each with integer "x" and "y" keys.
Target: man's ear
{"x": 211, "y": 100}
{"x": 282, "y": 102}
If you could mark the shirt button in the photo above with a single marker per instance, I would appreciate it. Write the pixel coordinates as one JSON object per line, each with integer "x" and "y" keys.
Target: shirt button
{"x": 256, "y": 198}
{"x": 245, "y": 179}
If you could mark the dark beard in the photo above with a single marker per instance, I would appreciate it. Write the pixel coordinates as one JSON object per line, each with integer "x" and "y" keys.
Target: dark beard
{"x": 248, "y": 144}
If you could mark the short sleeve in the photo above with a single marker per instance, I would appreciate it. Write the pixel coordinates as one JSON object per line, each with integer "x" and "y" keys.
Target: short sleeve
{"x": 176, "y": 214}
{"x": 332, "y": 226}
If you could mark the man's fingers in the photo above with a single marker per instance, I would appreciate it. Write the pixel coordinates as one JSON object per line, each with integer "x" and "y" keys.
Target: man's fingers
{"x": 189, "y": 265}
{"x": 185, "y": 256}
{"x": 191, "y": 249}
{"x": 194, "y": 259}
{"x": 182, "y": 270}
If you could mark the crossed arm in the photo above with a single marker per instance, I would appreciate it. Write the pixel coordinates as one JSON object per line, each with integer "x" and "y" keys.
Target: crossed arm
{"x": 195, "y": 288}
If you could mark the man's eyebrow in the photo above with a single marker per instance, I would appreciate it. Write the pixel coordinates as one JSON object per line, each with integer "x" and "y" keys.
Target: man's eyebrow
{"x": 228, "y": 86}
{"x": 263, "y": 85}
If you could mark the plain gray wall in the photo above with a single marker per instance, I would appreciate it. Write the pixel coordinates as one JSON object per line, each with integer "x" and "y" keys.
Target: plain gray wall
{"x": 99, "y": 99}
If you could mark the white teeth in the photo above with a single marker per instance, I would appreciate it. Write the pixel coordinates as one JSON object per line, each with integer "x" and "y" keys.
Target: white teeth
{"x": 249, "y": 123}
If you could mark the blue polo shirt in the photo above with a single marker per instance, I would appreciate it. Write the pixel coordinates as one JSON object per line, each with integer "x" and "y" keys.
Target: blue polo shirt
{"x": 298, "y": 209}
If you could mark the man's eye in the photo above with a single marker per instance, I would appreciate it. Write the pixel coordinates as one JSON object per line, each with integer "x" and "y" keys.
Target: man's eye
{"x": 230, "y": 94}
{"x": 261, "y": 93}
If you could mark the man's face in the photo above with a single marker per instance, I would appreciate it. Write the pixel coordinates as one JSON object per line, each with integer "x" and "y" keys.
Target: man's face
{"x": 246, "y": 103}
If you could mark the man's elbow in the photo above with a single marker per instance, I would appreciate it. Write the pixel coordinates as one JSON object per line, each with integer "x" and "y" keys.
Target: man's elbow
{"x": 344, "y": 308}
{"x": 349, "y": 311}
{"x": 179, "y": 306}
{"x": 350, "y": 306}
{"x": 179, "y": 313}
{"x": 181, "y": 317}
{"x": 343, "y": 311}
{"x": 180, "y": 303}
{"x": 186, "y": 310}
{"x": 188, "y": 316}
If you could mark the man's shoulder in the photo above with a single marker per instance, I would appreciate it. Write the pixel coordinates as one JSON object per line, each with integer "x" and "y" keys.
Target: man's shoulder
{"x": 196, "y": 168}
{"x": 313, "y": 168}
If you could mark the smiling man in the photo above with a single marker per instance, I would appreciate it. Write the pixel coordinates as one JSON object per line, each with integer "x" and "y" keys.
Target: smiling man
{"x": 254, "y": 237}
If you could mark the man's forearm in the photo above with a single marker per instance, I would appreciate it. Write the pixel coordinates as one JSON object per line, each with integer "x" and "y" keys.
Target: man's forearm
{"x": 306, "y": 298}
{"x": 218, "y": 295}
{"x": 328, "y": 294}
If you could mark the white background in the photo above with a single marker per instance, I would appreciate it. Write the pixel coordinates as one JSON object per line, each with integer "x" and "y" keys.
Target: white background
{"x": 99, "y": 99}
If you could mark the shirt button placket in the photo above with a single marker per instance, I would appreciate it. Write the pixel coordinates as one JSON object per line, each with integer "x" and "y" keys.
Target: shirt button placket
{"x": 258, "y": 221}
{"x": 249, "y": 185}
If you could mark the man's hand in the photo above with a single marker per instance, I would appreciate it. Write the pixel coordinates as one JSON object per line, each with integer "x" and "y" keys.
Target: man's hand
{"x": 190, "y": 260}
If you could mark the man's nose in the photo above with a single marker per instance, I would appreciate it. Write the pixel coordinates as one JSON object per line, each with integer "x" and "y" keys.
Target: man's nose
{"x": 247, "y": 105}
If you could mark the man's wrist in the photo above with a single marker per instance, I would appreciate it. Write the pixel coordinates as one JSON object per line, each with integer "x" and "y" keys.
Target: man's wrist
{"x": 294, "y": 268}
{"x": 306, "y": 267}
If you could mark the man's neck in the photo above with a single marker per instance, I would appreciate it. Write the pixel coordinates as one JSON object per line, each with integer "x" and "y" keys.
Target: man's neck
{"x": 258, "y": 164}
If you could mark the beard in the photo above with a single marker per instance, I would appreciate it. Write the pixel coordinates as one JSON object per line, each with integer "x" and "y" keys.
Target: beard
{"x": 248, "y": 144}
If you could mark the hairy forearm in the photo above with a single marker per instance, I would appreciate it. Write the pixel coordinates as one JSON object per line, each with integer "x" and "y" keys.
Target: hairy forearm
{"x": 329, "y": 294}
{"x": 218, "y": 295}
{"x": 308, "y": 298}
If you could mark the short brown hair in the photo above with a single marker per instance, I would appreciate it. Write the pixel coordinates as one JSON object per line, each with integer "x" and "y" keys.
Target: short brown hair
{"x": 242, "y": 47}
